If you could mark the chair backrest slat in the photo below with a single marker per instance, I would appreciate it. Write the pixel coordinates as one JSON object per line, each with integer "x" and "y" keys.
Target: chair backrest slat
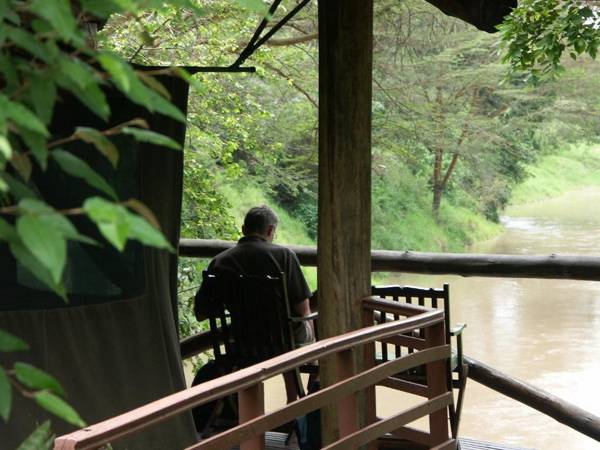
{"x": 253, "y": 317}
{"x": 428, "y": 297}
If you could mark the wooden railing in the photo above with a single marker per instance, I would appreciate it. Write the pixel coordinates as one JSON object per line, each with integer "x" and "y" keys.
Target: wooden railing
{"x": 573, "y": 267}
{"x": 248, "y": 383}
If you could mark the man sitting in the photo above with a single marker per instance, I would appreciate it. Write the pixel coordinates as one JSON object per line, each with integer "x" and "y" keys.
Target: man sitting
{"x": 255, "y": 254}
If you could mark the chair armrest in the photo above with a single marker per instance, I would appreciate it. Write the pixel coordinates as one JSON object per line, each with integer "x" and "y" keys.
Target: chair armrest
{"x": 311, "y": 316}
{"x": 457, "y": 329}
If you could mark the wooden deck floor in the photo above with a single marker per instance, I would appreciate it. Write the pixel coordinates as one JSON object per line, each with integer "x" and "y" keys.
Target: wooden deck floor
{"x": 276, "y": 441}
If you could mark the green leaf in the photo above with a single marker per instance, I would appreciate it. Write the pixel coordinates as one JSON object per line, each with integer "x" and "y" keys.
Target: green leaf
{"x": 7, "y": 232}
{"x": 58, "y": 14}
{"x": 142, "y": 231}
{"x": 22, "y": 164}
{"x": 37, "y": 379}
{"x": 53, "y": 219}
{"x": 11, "y": 343}
{"x": 189, "y": 78}
{"x": 254, "y": 5}
{"x": 117, "y": 224}
{"x": 78, "y": 72}
{"x": 26, "y": 41}
{"x": 46, "y": 244}
{"x": 143, "y": 211}
{"x": 110, "y": 219}
{"x": 76, "y": 167}
{"x": 18, "y": 190}
{"x": 154, "y": 84}
{"x": 38, "y": 146}
{"x": 4, "y": 8}
{"x": 5, "y": 148}
{"x": 90, "y": 94}
{"x": 22, "y": 116}
{"x": 101, "y": 142}
{"x": 31, "y": 264}
{"x": 151, "y": 137}
{"x": 41, "y": 438}
{"x": 43, "y": 96}
{"x": 3, "y": 185}
{"x": 58, "y": 407}
{"x": 128, "y": 82}
{"x": 5, "y": 395}
{"x": 117, "y": 68}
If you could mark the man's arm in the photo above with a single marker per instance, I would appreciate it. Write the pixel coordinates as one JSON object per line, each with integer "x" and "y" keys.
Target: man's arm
{"x": 302, "y": 309}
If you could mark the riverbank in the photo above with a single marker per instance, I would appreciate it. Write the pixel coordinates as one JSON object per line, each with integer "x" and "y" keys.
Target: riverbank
{"x": 576, "y": 167}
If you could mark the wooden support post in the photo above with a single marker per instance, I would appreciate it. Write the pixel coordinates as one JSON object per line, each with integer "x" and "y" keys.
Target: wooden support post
{"x": 344, "y": 238}
{"x": 347, "y": 407}
{"x": 437, "y": 383}
{"x": 251, "y": 405}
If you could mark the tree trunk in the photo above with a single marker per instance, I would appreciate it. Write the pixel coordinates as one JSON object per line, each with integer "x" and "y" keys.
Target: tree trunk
{"x": 436, "y": 182}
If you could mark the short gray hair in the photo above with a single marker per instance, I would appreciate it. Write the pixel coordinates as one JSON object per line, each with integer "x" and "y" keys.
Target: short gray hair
{"x": 259, "y": 219}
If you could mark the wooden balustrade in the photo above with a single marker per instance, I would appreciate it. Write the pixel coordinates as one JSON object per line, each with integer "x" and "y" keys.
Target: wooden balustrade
{"x": 573, "y": 267}
{"x": 248, "y": 383}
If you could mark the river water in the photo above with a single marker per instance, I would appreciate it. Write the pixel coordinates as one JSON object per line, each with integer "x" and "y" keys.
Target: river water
{"x": 546, "y": 332}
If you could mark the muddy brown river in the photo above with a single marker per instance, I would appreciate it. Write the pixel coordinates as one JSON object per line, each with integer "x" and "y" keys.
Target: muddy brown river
{"x": 546, "y": 332}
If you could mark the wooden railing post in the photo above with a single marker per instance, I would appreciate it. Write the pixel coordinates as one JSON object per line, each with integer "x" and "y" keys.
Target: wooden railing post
{"x": 437, "y": 384}
{"x": 369, "y": 362}
{"x": 251, "y": 405}
{"x": 347, "y": 406}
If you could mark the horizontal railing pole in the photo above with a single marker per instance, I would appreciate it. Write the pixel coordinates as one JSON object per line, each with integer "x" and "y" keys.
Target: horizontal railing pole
{"x": 574, "y": 267}
{"x": 101, "y": 433}
{"x": 195, "y": 344}
{"x": 548, "y": 404}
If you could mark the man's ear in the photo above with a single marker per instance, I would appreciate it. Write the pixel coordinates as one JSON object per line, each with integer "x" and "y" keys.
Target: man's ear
{"x": 271, "y": 232}
{"x": 243, "y": 230}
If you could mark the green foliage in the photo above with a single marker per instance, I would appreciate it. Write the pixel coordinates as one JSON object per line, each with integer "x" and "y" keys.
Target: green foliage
{"x": 41, "y": 438}
{"x": 44, "y": 51}
{"x": 34, "y": 378}
{"x": 573, "y": 167}
{"x": 58, "y": 407}
{"x": 36, "y": 384}
{"x": 538, "y": 32}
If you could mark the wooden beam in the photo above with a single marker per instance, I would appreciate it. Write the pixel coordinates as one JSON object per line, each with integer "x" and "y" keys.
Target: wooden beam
{"x": 571, "y": 267}
{"x": 548, "y": 404}
{"x": 344, "y": 236}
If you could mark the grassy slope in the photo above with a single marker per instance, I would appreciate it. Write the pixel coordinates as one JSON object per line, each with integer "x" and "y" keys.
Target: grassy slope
{"x": 401, "y": 218}
{"x": 575, "y": 167}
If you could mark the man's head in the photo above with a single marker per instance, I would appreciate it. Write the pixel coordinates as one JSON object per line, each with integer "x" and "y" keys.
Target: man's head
{"x": 260, "y": 221}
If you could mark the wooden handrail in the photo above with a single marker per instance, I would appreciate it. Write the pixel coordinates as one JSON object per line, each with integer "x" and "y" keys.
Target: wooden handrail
{"x": 573, "y": 267}
{"x": 159, "y": 410}
{"x": 300, "y": 407}
{"x": 564, "y": 412}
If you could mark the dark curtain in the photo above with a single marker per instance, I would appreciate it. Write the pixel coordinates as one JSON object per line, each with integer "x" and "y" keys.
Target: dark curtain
{"x": 114, "y": 346}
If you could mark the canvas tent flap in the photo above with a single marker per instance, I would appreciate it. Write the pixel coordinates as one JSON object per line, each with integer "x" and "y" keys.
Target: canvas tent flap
{"x": 114, "y": 347}
{"x": 484, "y": 14}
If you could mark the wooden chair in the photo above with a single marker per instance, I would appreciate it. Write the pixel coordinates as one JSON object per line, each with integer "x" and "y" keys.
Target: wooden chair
{"x": 250, "y": 321}
{"x": 433, "y": 298}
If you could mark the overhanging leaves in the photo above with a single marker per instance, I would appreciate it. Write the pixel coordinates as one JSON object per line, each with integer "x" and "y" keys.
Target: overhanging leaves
{"x": 11, "y": 343}
{"x": 76, "y": 167}
{"x": 152, "y": 137}
{"x": 101, "y": 142}
{"x": 5, "y": 395}
{"x": 41, "y": 438}
{"x": 37, "y": 379}
{"x": 58, "y": 407}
